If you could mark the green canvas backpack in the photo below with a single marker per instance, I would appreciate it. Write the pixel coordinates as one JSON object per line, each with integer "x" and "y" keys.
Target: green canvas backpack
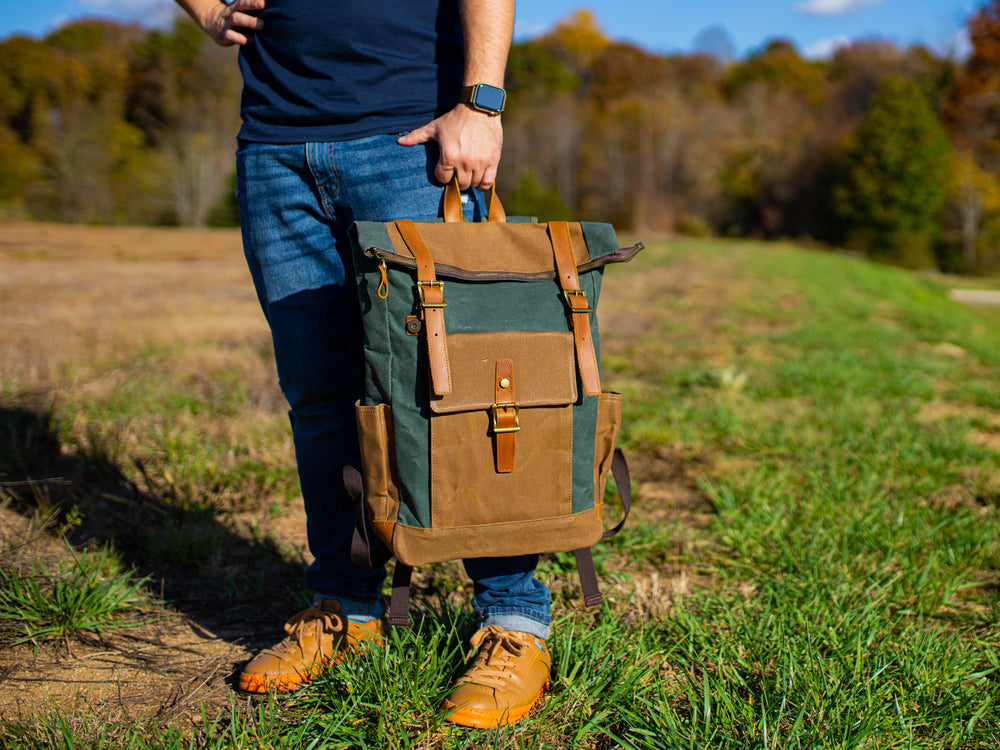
{"x": 484, "y": 431}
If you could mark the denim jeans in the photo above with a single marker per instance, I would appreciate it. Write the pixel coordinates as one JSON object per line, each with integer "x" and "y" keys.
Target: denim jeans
{"x": 297, "y": 202}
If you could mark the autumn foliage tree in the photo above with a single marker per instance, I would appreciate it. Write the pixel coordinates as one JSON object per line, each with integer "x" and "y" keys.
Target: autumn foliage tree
{"x": 893, "y": 174}
{"x": 96, "y": 128}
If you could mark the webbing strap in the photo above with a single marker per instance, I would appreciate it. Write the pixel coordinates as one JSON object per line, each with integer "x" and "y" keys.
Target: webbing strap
{"x": 367, "y": 550}
{"x": 399, "y": 602}
{"x": 577, "y": 305}
{"x": 623, "y": 478}
{"x": 585, "y": 556}
{"x": 431, "y": 306}
{"x": 588, "y": 576}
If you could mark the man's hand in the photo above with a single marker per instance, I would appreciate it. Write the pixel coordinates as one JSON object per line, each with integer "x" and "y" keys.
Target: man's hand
{"x": 470, "y": 142}
{"x": 226, "y": 24}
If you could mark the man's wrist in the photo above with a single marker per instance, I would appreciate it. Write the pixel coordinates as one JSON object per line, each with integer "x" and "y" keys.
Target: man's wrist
{"x": 484, "y": 97}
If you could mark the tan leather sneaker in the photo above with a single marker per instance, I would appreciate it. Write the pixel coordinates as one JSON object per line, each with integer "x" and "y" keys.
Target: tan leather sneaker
{"x": 509, "y": 675}
{"x": 316, "y": 637}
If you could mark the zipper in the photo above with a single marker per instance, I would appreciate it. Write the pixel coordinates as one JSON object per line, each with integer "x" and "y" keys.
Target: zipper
{"x": 383, "y": 257}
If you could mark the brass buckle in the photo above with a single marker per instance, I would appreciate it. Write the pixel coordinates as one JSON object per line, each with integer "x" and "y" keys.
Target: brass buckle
{"x": 568, "y": 295}
{"x": 421, "y": 285}
{"x": 517, "y": 425}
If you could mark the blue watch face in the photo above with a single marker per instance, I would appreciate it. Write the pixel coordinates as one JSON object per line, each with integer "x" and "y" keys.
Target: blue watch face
{"x": 489, "y": 97}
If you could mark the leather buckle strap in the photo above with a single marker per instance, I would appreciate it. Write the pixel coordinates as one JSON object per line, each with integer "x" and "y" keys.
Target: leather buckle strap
{"x": 502, "y": 416}
{"x": 577, "y": 306}
{"x": 506, "y": 421}
{"x": 432, "y": 306}
{"x": 573, "y": 299}
{"x": 437, "y": 289}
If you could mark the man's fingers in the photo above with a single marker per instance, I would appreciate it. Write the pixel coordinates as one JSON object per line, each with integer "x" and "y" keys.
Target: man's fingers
{"x": 488, "y": 178}
{"x": 246, "y": 21}
{"x": 418, "y": 136}
{"x": 444, "y": 174}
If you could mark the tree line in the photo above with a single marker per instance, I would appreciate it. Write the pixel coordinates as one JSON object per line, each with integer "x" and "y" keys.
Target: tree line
{"x": 890, "y": 152}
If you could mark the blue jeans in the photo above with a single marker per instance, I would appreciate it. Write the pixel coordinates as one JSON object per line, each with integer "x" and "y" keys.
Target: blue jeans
{"x": 297, "y": 202}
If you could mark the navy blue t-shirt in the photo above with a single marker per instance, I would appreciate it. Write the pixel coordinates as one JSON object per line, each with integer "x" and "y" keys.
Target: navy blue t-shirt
{"x": 326, "y": 70}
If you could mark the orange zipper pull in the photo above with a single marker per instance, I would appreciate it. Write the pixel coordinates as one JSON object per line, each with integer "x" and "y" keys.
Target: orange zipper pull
{"x": 383, "y": 287}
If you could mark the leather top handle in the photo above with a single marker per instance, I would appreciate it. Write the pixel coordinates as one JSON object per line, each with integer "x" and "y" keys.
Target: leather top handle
{"x": 453, "y": 204}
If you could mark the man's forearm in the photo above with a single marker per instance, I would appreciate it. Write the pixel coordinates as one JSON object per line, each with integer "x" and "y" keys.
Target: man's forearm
{"x": 487, "y": 26}
{"x": 470, "y": 141}
{"x": 200, "y": 10}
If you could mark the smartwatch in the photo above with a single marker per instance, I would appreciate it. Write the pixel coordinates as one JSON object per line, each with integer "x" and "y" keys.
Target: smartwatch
{"x": 483, "y": 97}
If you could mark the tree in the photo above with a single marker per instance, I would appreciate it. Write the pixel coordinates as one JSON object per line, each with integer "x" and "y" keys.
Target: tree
{"x": 973, "y": 197}
{"x": 530, "y": 198}
{"x": 73, "y": 120}
{"x": 776, "y": 97}
{"x": 577, "y": 40}
{"x": 535, "y": 74}
{"x": 973, "y": 109}
{"x": 892, "y": 176}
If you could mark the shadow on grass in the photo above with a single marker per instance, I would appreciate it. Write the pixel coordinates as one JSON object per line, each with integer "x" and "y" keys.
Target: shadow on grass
{"x": 240, "y": 587}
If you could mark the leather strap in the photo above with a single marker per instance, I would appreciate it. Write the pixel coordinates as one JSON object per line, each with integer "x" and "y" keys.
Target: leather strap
{"x": 451, "y": 205}
{"x": 494, "y": 210}
{"x": 577, "y": 305}
{"x": 432, "y": 306}
{"x": 399, "y": 602}
{"x": 505, "y": 422}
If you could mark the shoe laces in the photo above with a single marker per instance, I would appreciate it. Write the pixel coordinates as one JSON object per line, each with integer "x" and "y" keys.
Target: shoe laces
{"x": 497, "y": 649}
{"x": 313, "y": 621}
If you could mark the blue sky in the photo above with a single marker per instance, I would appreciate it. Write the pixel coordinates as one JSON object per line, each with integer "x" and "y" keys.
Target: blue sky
{"x": 816, "y": 26}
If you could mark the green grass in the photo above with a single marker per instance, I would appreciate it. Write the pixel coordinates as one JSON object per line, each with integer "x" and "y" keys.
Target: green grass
{"x": 90, "y": 594}
{"x": 840, "y": 420}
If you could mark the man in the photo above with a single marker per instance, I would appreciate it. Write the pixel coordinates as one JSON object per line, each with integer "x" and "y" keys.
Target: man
{"x": 351, "y": 111}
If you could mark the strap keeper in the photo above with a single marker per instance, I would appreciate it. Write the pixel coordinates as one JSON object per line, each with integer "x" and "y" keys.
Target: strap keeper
{"x": 496, "y": 413}
{"x": 422, "y": 287}
{"x": 570, "y": 295}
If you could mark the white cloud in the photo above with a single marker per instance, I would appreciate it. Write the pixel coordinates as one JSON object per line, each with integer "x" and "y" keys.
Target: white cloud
{"x": 825, "y": 48}
{"x": 832, "y": 7}
{"x": 958, "y": 46}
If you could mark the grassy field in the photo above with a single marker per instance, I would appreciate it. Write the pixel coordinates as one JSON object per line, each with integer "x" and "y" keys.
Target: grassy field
{"x": 814, "y": 560}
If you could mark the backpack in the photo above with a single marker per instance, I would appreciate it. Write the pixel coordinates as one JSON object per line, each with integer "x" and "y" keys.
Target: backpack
{"x": 484, "y": 430}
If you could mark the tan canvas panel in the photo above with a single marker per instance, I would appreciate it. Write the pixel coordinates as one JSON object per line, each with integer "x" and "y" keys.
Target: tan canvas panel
{"x": 414, "y": 546}
{"x": 378, "y": 459}
{"x": 544, "y": 369}
{"x": 609, "y": 419}
{"x": 466, "y": 490}
{"x": 499, "y": 248}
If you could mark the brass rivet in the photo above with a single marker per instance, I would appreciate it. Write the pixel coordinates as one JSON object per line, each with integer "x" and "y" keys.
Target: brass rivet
{"x": 504, "y": 383}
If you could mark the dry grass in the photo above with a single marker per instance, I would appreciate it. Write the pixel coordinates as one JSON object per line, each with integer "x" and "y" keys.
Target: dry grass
{"x": 88, "y": 312}
{"x": 76, "y": 295}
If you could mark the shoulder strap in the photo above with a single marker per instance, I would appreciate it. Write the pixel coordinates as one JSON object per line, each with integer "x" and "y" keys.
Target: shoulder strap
{"x": 592, "y": 596}
{"x": 367, "y": 550}
{"x": 399, "y": 603}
